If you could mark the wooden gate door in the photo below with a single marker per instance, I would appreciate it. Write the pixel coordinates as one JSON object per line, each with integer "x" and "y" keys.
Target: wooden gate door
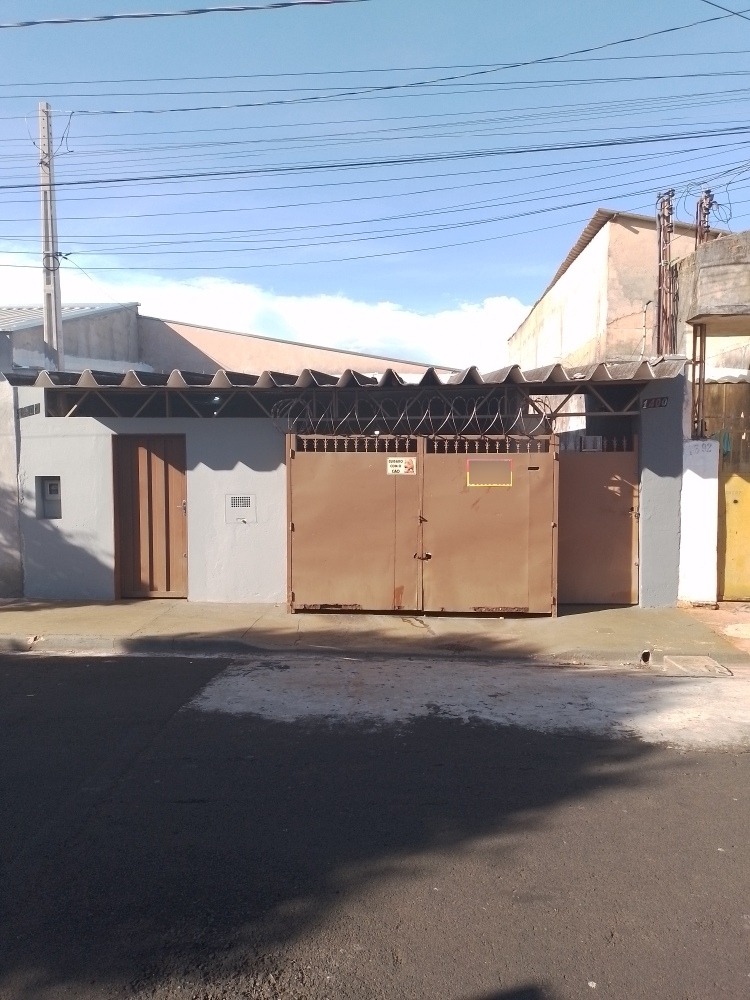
{"x": 489, "y": 533}
{"x": 598, "y": 538}
{"x": 354, "y": 526}
{"x": 734, "y": 531}
{"x": 150, "y": 515}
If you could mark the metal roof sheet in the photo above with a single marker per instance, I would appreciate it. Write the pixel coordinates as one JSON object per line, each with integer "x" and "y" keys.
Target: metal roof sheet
{"x": 15, "y": 318}
{"x": 542, "y": 378}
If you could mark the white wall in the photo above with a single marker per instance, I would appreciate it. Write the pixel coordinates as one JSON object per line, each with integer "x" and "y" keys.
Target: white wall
{"x": 235, "y": 562}
{"x": 73, "y": 557}
{"x": 699, "y": 513}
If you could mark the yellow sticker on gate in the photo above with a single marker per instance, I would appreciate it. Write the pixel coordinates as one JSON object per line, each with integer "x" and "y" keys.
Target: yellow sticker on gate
{"x": 489, "y": 471}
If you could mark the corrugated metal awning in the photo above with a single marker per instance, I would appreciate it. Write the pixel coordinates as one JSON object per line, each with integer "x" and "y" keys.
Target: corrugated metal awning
{"x": 552, "y": 378}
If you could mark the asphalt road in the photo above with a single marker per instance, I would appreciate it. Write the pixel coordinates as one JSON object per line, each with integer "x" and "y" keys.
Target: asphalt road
{"x": 150, "y": 849}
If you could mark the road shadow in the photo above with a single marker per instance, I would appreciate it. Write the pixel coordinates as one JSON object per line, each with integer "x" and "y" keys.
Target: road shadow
{"x": 525, "y": 993}
{"x": 213, "y": 847}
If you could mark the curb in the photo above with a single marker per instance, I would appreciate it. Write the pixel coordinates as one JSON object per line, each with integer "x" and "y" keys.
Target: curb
{"x": 82, "y": 645}
{"x": 159, "y": 646}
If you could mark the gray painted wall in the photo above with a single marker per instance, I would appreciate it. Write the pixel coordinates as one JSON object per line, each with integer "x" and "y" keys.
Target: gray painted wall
{"x": 11, "y": 577}
{"x": 108, "y": 338}
{"x": 661, "y": 484}
{"x": 73, "y": 557}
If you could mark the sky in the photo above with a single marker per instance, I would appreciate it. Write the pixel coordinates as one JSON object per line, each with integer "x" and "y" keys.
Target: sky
{"x": 381, "y": 175}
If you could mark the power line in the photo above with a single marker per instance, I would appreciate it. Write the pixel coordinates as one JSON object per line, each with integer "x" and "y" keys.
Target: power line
{"x": 234, "y": 236}
{"x": 273, "y": 170}
{"x": 388, "y": 90}
{"x": 592, "y": 107}
{"x": 362, "y": 71}
{"x": 243, "y": 9}
{"x": 733, "y": 13}
{"x": 357, "y": 182}
{"x": 358, "y": 236}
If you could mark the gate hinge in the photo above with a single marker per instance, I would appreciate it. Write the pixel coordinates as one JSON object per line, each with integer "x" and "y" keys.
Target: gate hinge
{"x": 291, "y": 525}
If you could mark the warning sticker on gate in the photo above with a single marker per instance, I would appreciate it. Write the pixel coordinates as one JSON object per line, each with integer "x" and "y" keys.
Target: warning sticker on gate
{"x": 401, "y": 465}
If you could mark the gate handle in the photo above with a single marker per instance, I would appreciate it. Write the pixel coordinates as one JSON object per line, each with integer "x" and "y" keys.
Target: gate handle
{"x": 427, "y": 555}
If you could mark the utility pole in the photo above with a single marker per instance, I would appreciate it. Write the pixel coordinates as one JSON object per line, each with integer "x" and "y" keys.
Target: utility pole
{"x": 702, "y": 217}
{"x": 53, "y": 330}
{"x": 665, "y": 311}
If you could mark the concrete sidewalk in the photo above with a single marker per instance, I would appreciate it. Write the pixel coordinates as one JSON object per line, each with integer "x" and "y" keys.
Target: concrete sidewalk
{"x": 579, "y": 636}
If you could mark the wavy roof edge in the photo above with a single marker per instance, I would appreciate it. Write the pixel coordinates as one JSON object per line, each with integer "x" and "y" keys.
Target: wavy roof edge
{"x": 551, "y": 375}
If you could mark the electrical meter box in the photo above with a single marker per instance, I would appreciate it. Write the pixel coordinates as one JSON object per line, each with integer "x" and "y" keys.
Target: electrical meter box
{"x": 49, "y": 497}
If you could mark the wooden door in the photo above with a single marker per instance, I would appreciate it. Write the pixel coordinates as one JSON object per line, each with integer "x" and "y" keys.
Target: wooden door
{"x": 489, "y": 532}
{"x": 150, "y": 515}
{"x": 598, "y": 513}
{"x": 734, "y": 532}
{"x": 354, "y": 527}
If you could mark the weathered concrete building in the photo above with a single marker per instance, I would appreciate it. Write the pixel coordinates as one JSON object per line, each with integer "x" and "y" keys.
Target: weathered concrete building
{"x": 600, "y": 307}
{"x": 118, "y": 338}
{"x": 600, "y": 304}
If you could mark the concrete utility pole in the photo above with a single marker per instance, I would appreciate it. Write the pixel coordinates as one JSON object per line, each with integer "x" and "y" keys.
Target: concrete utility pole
{"x": 665, "y": 317}
{"x": 703, "y": 217}
{"x": 53, "y": 329}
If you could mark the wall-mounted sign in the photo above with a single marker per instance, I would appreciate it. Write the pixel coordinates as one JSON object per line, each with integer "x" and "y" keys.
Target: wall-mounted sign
{"x": 402, "y": 465}
{"x": 656, "y": 403}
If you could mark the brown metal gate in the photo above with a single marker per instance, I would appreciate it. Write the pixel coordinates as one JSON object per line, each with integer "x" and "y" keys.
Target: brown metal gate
{"x": 489, "y": 530}
{"x": 150, "y": 515}
{"x": 354, "y": 528}
{"x": 405, "y": 524}
{"x": 598, "y": 513}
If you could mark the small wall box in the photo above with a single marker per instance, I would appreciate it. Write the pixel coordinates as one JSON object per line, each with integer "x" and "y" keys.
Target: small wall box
{"x": 240, "y": 508}
{"x": 49, "y": 497}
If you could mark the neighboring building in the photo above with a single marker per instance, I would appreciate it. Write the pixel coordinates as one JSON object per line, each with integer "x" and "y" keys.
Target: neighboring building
{"x": 96, "y": 336}
{"x": 117, "y": 338}
{"x": 600, "y": 307}
{"x": 601, "y": 302}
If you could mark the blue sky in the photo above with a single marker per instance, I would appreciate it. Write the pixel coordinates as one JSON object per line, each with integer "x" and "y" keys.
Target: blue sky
{"x": 293, "y": 224}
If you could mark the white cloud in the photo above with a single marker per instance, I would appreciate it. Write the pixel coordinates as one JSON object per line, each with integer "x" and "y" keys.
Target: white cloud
{"x": 469, "y": 333}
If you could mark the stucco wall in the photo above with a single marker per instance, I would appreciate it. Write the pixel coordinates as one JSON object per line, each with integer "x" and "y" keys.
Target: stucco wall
{"x": 595, "y": 311}
{"x": 11, "y": 580}
{"x": 714, "y": 289}
{"x": 699, "y": 518}
{"x": 569, "y": 321}
{"x": 661, "y": 441}
{"x": 167, "y": 345}
{"x": 110, "y": 336}
{"x": 632, "y": 282}
{"x": 73, "y": 557}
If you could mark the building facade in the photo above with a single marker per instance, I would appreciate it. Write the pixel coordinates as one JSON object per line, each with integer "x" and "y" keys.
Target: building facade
{"x": 601, "y": 302}
{"x": 430, "y": 493}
